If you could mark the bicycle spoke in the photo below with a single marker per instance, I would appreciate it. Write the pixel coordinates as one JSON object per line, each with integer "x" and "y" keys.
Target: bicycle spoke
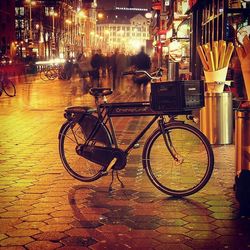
{"x": 78, "y": 166}
{"x": 193, "y": 167}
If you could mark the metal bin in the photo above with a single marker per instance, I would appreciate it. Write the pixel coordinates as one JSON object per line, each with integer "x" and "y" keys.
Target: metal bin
{"x": 242, "y": 139}
{"x": 216, "y": 118}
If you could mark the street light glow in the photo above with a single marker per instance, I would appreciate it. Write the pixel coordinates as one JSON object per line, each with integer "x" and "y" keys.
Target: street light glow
{"x": 31, "y": 2}
{"x": 100, "y": 15}
{"x": 68, "y": 21}
{"x": 82, "y": 14}
{"x": 53, "y": 13}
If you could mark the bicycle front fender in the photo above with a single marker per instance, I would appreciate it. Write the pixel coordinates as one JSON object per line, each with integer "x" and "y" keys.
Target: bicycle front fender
{"x": 154, "y": 134}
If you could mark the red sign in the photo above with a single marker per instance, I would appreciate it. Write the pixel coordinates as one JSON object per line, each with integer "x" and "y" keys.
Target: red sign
{"x": 156, "y": 5}
{"x": 191, "y": 3}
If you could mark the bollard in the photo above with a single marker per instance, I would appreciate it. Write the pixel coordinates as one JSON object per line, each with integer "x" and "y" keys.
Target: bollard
{"x": 242, "y": 139}
{"x": 242, "y": 151}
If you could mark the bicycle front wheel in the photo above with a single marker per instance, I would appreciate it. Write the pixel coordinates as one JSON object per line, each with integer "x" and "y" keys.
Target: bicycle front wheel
{"x": 71, "y": 136}
{"x": 9, "y": 88}
{"x": 184, "y": 165}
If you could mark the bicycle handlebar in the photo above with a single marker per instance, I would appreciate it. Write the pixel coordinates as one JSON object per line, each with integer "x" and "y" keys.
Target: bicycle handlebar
{"x": 153, "y": 76}
{"x": 125, "y": 73}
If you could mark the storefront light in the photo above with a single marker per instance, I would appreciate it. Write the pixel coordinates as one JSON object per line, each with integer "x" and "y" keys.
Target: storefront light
{"x": 148, "y": 15}
{"x": 175, "y": 50}
{"x": 135, "y": 44}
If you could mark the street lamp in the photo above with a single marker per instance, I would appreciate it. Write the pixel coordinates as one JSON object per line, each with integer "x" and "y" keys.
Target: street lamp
{"x": 82, "y": 21}
{"x": 68, "y": 38}
{"x": 30, "y": 2}
{"x": 53, "y": 14}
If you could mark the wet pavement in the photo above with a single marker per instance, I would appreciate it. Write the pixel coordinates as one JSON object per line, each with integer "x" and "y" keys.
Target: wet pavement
{"x": 43, "y": 207}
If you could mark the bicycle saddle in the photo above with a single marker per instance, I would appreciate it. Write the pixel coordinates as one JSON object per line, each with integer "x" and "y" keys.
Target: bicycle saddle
{"x": 100, "y": 91}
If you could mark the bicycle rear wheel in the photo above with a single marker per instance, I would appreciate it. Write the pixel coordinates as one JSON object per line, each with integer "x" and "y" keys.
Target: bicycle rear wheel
{"x": 194, "y": 166}
{"x": 72, "y": 135}
{"x": 9, "y": 87}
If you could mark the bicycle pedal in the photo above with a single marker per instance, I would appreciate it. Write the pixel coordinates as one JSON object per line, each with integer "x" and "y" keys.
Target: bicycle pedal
{"x": 137, "y": 145}
{"x": 111, "y": 164}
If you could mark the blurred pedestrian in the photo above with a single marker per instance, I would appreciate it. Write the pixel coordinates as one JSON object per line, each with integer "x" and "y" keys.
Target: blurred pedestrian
{"x": 121, "y": 62}
{"x": 84, "y": 71}
{"x": 103, "y": 65}
{"x": 154, "y": 60}
{"x": 142, "y": 60}
{"x": 95, "y": 62}
{"x": 114, "y": 68}
{"x": 68, "y": 69}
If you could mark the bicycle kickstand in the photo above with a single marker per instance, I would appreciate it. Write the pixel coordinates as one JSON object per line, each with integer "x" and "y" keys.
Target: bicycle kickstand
{"x": 118, "y": 178}
{"x": 112, "y": 180}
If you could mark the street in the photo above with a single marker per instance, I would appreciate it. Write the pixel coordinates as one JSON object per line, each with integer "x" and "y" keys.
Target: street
{"x": 43, "y": 207}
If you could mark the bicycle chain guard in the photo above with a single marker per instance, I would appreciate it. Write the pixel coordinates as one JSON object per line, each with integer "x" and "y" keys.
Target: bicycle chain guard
{"x": 103, "y": 155}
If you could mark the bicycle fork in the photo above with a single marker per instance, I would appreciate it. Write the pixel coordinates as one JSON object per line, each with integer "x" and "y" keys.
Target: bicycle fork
{"x": 167, "y": 139}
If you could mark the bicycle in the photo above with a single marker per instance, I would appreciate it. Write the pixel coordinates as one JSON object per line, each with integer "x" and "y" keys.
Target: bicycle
{"x": 177, "y": 157}
{"x": 51, "y": 72}
{"x": 7, "y": 86}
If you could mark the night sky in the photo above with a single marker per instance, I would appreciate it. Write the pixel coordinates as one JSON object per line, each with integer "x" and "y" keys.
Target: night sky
{"x": 109, "y": 4}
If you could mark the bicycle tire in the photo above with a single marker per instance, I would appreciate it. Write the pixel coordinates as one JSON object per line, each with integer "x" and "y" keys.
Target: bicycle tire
{"x": 43, "y": 75}
{"x": 196, "y": 163}
{"x": 52, "y": 74}
{"x": 9, "y": 88}
{"x": 71, "y": 135}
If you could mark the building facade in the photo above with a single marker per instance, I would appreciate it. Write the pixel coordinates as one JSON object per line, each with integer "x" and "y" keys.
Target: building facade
{"x": 170, "y": 30}
{"x": 7, "y": 27}
{"x": 60, "y": 28}
{"x": 123, "y": 28}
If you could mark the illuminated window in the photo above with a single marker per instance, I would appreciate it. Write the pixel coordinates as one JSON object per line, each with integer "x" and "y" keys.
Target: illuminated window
{"x": 19, "y": 11}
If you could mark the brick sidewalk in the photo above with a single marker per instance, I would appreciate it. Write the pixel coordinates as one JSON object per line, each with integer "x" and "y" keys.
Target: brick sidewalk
{"x": 42, "y": 207}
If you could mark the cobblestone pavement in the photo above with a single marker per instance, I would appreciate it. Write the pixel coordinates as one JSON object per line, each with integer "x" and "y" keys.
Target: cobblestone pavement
{"x": 43, "y": 207}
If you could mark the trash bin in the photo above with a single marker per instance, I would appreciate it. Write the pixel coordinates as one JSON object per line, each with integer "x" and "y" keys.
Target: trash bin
{"x": 242, "y": 153}
{"x": 242, "y": 139}
{"x": 173, "y": 71}
{"x": 216, "y": 118}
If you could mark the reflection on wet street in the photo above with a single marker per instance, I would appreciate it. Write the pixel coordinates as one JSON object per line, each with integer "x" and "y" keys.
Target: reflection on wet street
{"x": 43, "y": 207}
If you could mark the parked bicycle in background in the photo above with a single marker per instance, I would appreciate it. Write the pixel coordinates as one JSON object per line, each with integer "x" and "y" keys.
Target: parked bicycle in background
{"x": 7, "y": 86}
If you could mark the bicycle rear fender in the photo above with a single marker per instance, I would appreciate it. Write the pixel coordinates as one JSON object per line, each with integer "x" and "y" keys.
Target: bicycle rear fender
{"x": 62, "y": 128}
{"x": 73, "y": 114}
{"x": 98, "y": 131}
{"x": 84, "y": 116}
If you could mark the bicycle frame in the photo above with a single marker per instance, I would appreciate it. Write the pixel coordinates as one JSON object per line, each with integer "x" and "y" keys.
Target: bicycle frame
{"x": 108, "y": 110}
